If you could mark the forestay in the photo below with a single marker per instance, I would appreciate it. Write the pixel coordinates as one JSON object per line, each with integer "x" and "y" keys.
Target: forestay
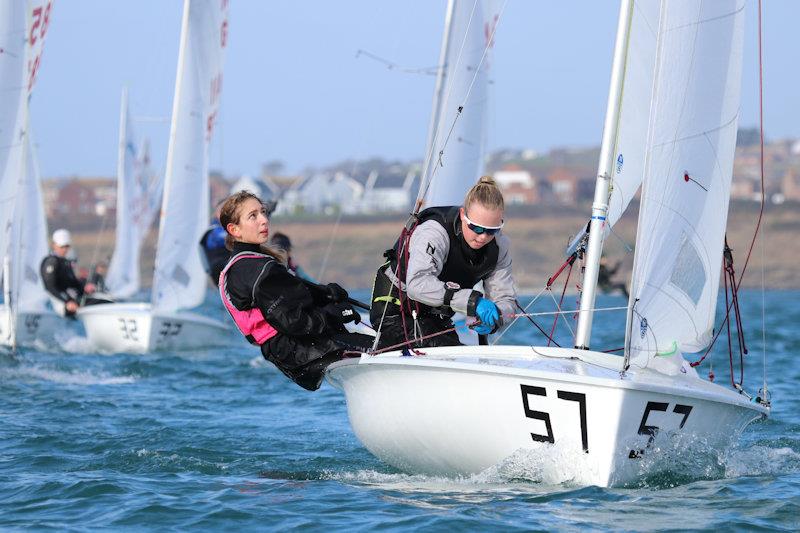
{"x": 179, "y": 280}
{"x": 463, "y": 79}
{"x": 138, "y": 195}
{"x": 684, "y": 207}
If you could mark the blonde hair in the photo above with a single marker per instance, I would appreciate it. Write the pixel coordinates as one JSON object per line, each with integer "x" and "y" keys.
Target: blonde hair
{"x": 486, "y": 193}
{"x": 230, "y": 213}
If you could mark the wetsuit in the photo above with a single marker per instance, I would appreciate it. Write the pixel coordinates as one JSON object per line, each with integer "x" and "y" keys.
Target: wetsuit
{"x": 439, "y": 280}
{"x": 308, "y": 328}
{"x": 214, "y": 252}
{"x": 60, "y": 280}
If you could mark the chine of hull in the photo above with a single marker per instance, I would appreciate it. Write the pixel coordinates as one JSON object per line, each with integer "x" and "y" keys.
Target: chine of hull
{"x": 136, "y": 328}
{"x": 448, "y": 414}
{"x": 32, "y": 326}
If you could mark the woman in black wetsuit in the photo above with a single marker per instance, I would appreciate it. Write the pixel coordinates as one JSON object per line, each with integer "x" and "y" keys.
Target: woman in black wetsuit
{"x": 299, "y": 326}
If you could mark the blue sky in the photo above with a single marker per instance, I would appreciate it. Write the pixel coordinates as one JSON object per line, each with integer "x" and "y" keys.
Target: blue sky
{"x": 295, "y": 90}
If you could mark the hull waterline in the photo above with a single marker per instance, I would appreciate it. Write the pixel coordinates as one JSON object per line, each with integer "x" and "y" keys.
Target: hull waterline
{"x": 458, "y": 412}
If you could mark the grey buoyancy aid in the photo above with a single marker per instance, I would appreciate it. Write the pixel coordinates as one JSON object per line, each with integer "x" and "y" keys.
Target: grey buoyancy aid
{"x": 251, "y": 322}
{"x": 463, "y": 266}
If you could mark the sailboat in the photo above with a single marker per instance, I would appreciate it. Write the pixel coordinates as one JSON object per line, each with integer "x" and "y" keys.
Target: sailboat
{"x": 24, "y": 315}
{"x": 138, "y": 195}
{"x": 165, "y": 323}
{"x": 585, "y": 416}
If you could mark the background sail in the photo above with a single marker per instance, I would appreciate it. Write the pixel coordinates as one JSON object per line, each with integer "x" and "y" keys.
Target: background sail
{"x": 691, "y": 141}
{"x": 138, "y": 193}
{"x": 471, "y": 27}
{"x": 31, "y": 234}
{"x": 12, "y": 86}
{"x": 179, "y": 280}
{"x": 23, "y": 27}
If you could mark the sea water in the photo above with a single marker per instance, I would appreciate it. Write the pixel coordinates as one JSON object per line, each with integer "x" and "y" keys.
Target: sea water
{"x": 219, "y": 439}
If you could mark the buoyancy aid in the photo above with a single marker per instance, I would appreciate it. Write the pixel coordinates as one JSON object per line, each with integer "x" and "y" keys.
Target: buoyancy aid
{"x": 251, "y": 322}
{"x": 464, "y": 266}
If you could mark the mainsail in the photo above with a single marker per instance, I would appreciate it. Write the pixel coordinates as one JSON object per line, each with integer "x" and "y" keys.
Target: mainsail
{"x": 23, "y": 28}
{"x": 12, "y": 110}
{"x": 138, "y": 193}
{"x": 29, "y": 238}
{"x": 179, "y": 280}
{"x": 463, "y": 80}
{"x": 691, "y": 142}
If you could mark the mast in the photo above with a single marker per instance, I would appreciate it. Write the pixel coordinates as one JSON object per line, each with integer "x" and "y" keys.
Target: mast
{"x": 437, "y": 92}
{"x": 605, "y": 168}
{"x": 172, "y": 134}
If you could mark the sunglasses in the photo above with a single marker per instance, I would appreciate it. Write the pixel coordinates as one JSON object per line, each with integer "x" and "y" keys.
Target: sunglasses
{"x": 480, "y": 230}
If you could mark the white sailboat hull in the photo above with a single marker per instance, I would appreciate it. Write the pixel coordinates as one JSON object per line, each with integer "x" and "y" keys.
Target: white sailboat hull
{"x": 459, "y": 411}
{"x": 137, "y": 328}
{"x": 31, "y": 326}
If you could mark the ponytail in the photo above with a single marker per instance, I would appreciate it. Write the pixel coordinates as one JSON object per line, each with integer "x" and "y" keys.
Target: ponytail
{"x": 486, "y": 193}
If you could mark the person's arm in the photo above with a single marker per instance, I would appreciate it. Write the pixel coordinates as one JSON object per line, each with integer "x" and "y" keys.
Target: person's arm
{"x": 288, "y": 305}
{"x": 499, "y": 285}
{"x": 428, "y": 249}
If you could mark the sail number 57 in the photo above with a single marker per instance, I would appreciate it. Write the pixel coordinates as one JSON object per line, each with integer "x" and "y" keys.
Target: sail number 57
{"x": 577, "y": 397}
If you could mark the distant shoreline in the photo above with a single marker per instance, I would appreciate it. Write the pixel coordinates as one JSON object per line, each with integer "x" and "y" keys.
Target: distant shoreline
{"x": 538, "y": 236}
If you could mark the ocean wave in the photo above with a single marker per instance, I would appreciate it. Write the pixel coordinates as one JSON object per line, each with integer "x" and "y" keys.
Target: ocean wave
{"x": 69, "y": 378}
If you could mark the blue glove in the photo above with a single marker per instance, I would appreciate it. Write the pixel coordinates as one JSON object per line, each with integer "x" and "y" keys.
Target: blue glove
{"x": 482, "y": 329}
{"x": 487, "y": 311}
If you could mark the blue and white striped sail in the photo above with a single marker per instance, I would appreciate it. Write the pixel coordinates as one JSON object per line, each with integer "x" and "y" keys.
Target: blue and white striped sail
{"x": 179, "y": 280}
{"x": 138, "y": 196}
{"x": 463, "y": 80}
{"x": 691, "y": 141}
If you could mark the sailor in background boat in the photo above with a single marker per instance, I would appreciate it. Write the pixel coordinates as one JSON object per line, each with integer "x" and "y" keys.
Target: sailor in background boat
{"x": 449, "y": 251}
{"x": 212, "y": 242}
{"x": 299, "y": 326}
{"x": 282, "y": 241}
{"x": 59, "y": 277}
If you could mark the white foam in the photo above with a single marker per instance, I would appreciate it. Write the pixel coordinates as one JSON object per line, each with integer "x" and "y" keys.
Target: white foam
{"x": 70, "y": 378}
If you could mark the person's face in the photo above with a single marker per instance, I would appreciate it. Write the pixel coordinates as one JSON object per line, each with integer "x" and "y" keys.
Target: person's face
{"x": 253, "y": 225}
{"x": 61, "y": 251}
{"x": 481, "y": 217}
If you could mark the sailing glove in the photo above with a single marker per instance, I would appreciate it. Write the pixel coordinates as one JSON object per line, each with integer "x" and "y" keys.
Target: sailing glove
{"x": 483, "y": 329}
{"x": 336, "y": 293}
{"x": 488, "y": 313}
{"x": 343, "y": 313}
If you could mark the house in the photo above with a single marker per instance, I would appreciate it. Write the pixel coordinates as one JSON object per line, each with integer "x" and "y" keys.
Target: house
{"x": 519, "y": 187}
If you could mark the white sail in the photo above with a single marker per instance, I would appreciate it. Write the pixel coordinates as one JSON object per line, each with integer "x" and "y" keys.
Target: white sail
{"x": 464, "y": 80}
{"x": 138, "y": 191}
{"x": 179, "y": 280}
{"x": 12, "y": 84}
{"x": 23, "y": 28}
{"x": 29, "y": 239}
{"x": 691, "y": 142}
{"x": 629, "y": 154}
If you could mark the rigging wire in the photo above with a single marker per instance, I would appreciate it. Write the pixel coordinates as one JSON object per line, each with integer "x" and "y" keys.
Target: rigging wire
{"x": 425, "y": 180}
{"x": 764, "y": 390}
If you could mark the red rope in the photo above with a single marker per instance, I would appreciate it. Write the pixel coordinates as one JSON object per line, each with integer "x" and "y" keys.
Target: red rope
{"x": 561, "y": 301}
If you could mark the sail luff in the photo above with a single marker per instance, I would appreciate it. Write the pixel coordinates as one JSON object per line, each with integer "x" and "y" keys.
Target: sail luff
{"x": 438, "y": 91}
{"x": 597, "y": 226}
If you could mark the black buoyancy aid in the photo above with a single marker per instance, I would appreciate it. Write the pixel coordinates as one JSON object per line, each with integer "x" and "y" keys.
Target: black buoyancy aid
{"x": 463, "y": 266}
